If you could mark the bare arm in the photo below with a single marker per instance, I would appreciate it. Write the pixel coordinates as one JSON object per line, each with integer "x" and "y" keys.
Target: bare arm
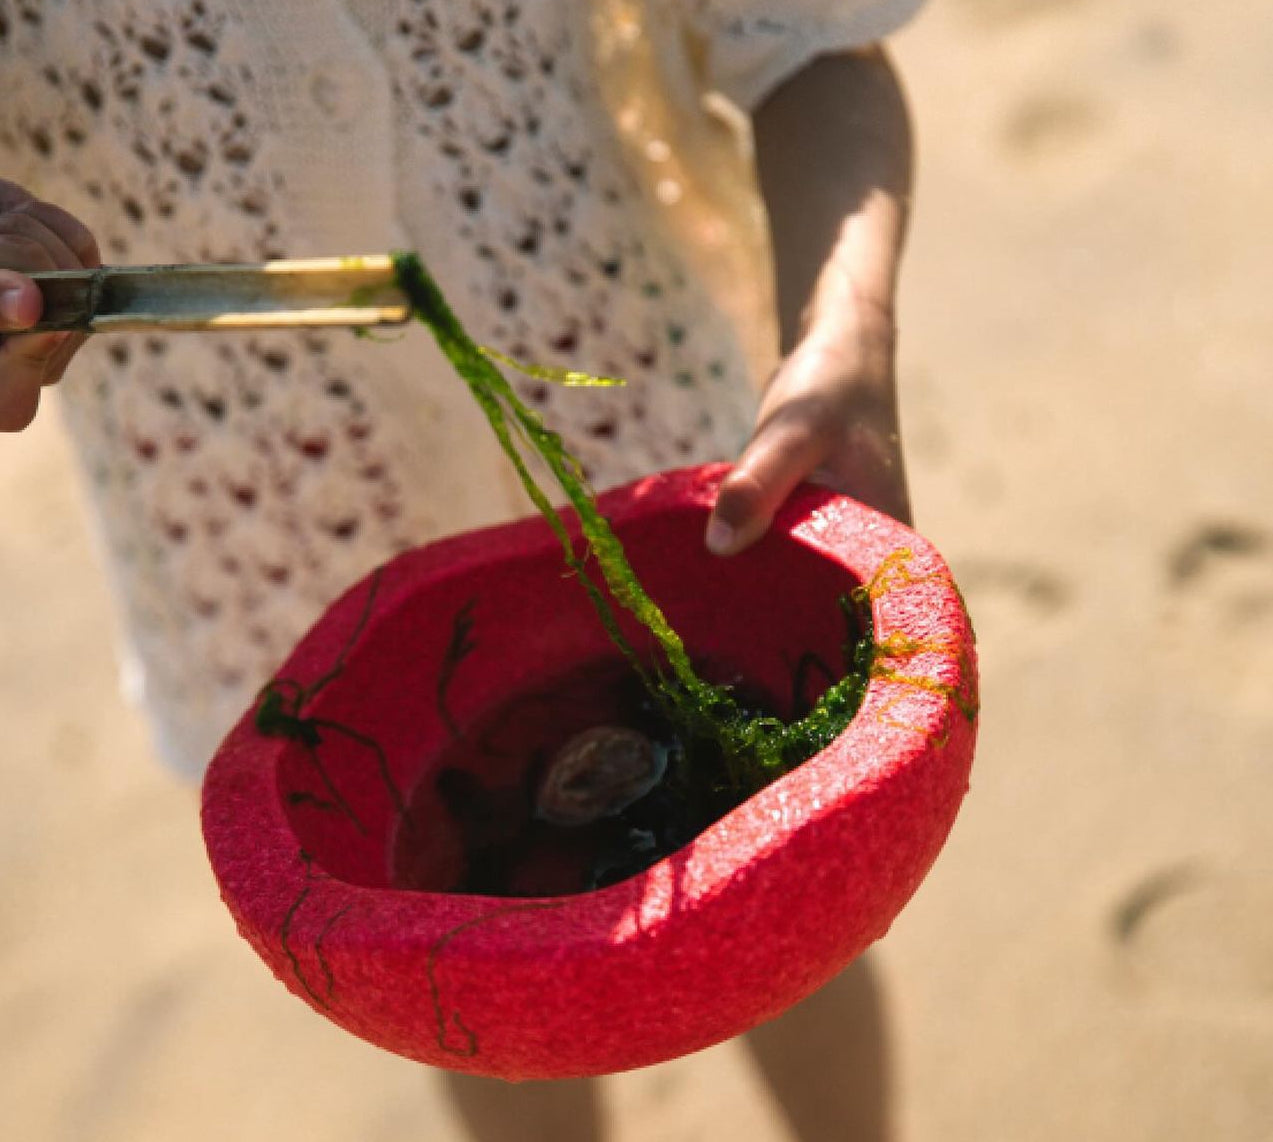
{"x": 833, "y": 151}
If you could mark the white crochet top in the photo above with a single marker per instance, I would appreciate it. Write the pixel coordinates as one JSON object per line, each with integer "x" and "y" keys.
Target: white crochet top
{"x": 557, "y": 165}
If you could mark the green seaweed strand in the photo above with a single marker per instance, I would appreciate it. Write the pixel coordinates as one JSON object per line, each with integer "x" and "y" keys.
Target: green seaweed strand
{"x": 570, "y": 378}
{"x": 755, "y": 749}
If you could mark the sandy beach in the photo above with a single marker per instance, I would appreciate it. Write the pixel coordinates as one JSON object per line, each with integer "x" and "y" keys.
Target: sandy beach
{"x": 1086, "y": 364}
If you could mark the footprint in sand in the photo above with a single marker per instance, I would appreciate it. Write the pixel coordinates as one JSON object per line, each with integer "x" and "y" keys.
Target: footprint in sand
{"x": 1199, "y": 936}
{"x": 1034, "y": 590}
{"x": 1047, "y": 130}
{"x": 1217, "y": 548}
{"x": 148, "y": 1019}
{"x": 1016, "y": 597}
{"x": 1217, "y": 612}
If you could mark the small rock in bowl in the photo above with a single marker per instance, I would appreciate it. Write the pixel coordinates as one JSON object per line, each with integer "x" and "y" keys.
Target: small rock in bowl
{"x": 598, "y": 773}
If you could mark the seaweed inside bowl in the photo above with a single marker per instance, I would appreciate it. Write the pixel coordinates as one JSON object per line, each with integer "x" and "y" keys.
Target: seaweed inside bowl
{"x": 584, "y": 780}
{"x": 753, "y": 747}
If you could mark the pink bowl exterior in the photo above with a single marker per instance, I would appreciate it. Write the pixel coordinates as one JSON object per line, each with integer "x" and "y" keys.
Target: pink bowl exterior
{"x": 758, "y": 912}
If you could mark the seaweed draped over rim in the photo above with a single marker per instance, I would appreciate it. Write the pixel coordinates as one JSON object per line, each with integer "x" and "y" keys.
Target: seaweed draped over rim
{"x": 756, "y": 749}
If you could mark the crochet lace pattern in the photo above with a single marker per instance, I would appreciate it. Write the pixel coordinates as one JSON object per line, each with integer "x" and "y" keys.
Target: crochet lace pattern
{"x": 239, "y": 482}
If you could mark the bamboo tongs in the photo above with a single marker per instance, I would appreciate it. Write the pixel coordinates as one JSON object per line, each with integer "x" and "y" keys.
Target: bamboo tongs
{"x": 358, "y": 291}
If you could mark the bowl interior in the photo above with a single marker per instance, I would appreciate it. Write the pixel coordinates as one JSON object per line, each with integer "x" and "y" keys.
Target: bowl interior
{"x": 482, "y": 670}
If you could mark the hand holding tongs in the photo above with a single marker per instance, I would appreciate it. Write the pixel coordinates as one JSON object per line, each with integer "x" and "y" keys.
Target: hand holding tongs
{"x": 357, "y": 291}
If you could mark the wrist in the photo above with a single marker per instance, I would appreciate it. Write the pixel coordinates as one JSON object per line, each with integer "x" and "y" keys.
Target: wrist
{"x": 853, "y": 297}
{"x": 861, "y": 323}
{"x": 856, "y": 340}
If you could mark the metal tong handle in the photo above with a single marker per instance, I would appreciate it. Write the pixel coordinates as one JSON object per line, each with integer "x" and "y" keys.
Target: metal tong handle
{"x": 357, "y": 291}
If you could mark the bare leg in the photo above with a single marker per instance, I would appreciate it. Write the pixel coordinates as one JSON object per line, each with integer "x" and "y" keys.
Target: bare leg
{"x": 826, "y": 1061}
{"x": 494, "y": 1111}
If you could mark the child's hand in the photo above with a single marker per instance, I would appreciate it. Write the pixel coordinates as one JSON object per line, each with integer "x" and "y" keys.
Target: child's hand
{"x": 830, "y": 415}
{"x": 34, "y": 235}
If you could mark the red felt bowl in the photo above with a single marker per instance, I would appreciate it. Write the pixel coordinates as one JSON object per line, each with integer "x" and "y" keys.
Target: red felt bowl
{"x": 301, "y": 823}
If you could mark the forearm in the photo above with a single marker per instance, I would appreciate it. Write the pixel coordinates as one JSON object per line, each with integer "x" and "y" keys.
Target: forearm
{"x": 834, "y": 158}
{"x": 833, "y": 149}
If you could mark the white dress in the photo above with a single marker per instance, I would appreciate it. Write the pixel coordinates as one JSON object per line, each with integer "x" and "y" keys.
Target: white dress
{"x": 555, "y": 162}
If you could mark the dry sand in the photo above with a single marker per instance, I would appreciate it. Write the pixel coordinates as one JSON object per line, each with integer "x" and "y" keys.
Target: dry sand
{"x": 1087, "y": 359}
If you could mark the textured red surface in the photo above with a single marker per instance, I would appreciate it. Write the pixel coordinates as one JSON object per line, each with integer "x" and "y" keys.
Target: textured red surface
{"x": 755, "y": 914}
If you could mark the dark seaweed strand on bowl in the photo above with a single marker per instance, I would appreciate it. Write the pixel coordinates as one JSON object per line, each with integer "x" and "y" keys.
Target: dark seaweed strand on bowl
{"x": 754, "y": 748}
